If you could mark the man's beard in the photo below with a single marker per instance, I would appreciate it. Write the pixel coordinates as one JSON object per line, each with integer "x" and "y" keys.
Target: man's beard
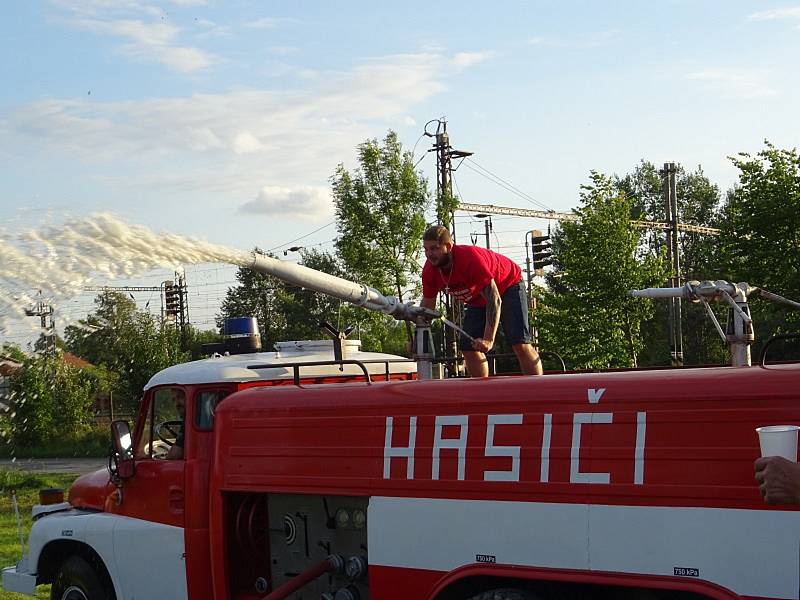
{"x": 444, "y": 262}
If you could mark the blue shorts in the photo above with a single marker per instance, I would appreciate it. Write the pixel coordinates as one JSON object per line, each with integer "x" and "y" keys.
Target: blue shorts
{"x": 513, "y": 318}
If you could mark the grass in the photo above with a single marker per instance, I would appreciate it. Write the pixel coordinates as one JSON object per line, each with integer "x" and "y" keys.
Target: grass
{"x": 27, "y": 486}
{"x": 90, "y": 443}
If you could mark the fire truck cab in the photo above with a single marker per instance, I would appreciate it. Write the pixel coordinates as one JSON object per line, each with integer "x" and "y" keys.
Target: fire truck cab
{"x": 101, "y": 542}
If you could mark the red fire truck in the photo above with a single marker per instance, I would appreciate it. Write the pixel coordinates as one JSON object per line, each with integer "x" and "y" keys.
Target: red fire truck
{"x": 356, "y": 477}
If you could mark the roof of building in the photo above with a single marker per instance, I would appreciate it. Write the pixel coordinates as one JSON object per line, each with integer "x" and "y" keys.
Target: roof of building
{"x": 75, "y": 361}
{"x": 8, "y": 366}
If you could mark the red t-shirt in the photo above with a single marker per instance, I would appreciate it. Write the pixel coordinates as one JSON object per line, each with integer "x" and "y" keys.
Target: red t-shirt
{"x": 471, "y": 270}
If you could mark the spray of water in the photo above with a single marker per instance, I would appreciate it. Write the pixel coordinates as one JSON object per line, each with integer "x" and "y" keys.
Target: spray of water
{"x": 60, "y": 260}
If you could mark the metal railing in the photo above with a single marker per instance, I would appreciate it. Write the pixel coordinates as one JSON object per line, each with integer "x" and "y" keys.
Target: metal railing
{"x": 362, "y": 364}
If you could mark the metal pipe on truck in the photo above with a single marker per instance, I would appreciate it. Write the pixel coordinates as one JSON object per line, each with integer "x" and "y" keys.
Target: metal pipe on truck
{"x": 349, "y": 291}
{"x": 358, "y": 294}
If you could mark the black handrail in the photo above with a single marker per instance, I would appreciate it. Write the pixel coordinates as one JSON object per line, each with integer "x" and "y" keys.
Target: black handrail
{"x": 556, "y": 355}
{"x": 775, "y": 338}
{"x": 360, "y": 363}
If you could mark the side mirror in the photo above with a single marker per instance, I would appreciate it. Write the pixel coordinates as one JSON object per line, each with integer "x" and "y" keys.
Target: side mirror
{"x": 121, "y": 465}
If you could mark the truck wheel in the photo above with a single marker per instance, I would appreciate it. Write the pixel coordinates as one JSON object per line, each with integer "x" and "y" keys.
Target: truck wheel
{"x": 77, "y": 580}
{"x": 505, "y": 594}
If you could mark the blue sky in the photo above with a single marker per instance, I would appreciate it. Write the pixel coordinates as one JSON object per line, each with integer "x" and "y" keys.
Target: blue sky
{"x": 225, "y": 120}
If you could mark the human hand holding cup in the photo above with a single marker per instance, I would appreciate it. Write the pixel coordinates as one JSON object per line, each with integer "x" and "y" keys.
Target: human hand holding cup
{"x": 778, "y": 440}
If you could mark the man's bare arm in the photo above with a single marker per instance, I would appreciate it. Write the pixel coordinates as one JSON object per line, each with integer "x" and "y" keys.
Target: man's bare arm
{"x": 491, "y": 294}
{"x": 428, "y": 303}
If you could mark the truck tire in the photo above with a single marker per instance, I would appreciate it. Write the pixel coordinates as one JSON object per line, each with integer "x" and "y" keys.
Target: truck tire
{"x": 505, "y": 594}
{"x": 78, "y": 580}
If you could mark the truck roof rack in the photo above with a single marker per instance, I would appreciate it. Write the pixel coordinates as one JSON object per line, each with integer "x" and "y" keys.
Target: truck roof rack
{"x": 362, "y": 364}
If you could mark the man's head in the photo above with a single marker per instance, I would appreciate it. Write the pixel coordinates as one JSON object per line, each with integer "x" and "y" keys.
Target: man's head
{"x": 438, "y": 243}
{"x": 179, "y": 398}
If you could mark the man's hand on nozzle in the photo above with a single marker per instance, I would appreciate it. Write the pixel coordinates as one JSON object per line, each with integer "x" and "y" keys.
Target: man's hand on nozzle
{"x": 411, "y": 312}
{"x": 778, "y": 480}
{"x": 482, "y": 345}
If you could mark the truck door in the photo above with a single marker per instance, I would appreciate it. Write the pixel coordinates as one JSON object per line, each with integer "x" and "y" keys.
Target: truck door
{"x": 151, "y": 540}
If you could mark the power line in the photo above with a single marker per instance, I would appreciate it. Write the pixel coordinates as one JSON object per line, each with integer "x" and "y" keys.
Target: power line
{"x": 455, "y": 183}
{"x": 503, "y": 183}
{"x": 302, "y": 237}
{"x": 559, "y": 216}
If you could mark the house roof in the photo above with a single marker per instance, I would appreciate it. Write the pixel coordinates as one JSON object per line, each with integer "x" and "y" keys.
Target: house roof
{"x": 8, "y": 366}
{"x": 75, "y": 361}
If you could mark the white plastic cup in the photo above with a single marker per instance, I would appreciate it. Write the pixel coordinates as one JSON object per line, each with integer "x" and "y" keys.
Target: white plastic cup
{"x": 779, "y": 440}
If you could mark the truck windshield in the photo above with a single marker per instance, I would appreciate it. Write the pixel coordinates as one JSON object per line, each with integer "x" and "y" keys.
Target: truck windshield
{"x": 164, "y": 424}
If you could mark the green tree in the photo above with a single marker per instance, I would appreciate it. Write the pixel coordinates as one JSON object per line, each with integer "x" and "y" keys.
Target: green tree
{"x": 51, "y": 398}
{"x": 195, "y": 338}
{"x": 43, "y": 343}
{"x": 306, "y": 309}
{"x": 380, "y": 217}
{"x": 698, "y": 200}
{"x": 587, "y": 315}
{"x": 761, "y": 221}
{"x": 126, "y": 341}
{"x": 760, "y": 240}
{"x": 12, "y": 351}
{"x": 446, "y": 204}
{"x": 288, "y": 312}
{"x": 255, "y": 296}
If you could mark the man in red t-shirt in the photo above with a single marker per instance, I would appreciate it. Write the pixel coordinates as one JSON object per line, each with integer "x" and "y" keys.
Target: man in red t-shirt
{"x": 489, "y": 284}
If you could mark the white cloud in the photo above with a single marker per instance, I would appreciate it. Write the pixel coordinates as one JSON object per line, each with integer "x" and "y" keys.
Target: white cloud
{"x": 331, "y": 101}
{"x": 183, "y": 59}
{"x": 211, "y": 29}
{"x": 100, "y": 7}
{"x": 145, "y": 34}
{"x": 246, "y": 143}
{"x": 282, "y": 50}
{"x": 789, "y": 12}
{"x": 306, "y": 202}
{"x": 264, "y": 23}
{"x": 228, "y": 145}
{"x": 586, "y": 41}
{"x": 735, "y": 82}
{"x": 149, "y": 40}
{"x": 468, "y": 59}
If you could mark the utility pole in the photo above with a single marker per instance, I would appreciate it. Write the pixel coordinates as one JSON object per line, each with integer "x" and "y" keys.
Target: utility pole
{"x": 45, "y": 312}
{"x": 445, "y": 154}
{"x": 674, "y": 258}
{"x": 444, "y": 193}
{"x": 183, "y": 309}
{"x": 176, "y": 305}
{"x": 444, "y": 164}
{"x": 487, "y": 225}
{"x": 174, "y": 300}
